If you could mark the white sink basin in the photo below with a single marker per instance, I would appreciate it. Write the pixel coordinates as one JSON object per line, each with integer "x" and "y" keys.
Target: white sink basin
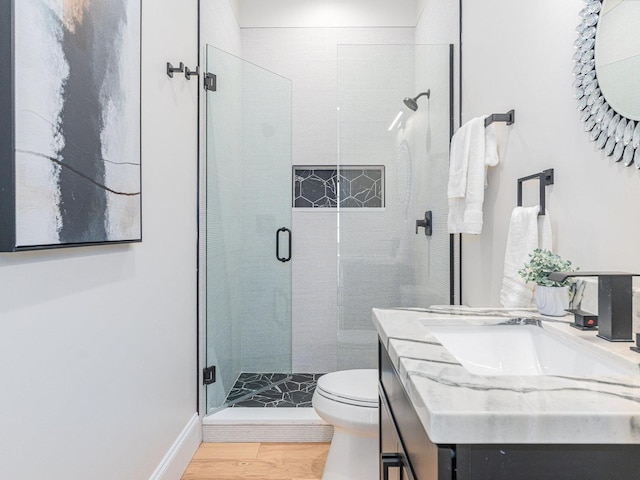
{"x": 525, "y": 350}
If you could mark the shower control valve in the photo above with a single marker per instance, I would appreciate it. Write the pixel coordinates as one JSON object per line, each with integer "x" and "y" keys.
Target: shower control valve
{"x": 427, "y": 223}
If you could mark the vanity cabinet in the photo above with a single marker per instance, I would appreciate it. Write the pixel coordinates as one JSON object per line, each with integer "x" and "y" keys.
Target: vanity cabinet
{"x": 407, "y": 452}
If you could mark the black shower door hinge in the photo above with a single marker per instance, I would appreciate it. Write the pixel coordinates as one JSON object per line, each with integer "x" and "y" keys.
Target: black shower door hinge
{"x": 209, "y": 375}
{"x": 210, "y": 82}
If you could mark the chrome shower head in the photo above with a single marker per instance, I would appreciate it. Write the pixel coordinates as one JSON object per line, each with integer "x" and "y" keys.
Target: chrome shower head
{"x": 412, "y": 103}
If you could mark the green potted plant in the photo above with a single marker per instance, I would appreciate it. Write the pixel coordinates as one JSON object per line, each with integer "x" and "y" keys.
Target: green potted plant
{"x": 552, "y": 298}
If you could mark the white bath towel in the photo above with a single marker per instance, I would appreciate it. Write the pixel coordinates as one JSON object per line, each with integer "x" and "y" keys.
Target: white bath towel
{"x": 473, "y": 148}
{"x": 522, "y": 240}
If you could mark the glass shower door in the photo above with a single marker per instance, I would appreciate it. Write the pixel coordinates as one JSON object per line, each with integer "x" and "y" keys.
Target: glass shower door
{"x": 248, "y": 221}
{"x": 385, "y": 261}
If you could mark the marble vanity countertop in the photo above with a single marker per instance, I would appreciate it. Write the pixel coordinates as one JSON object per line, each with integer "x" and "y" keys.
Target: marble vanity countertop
{"x": 456, "y": 406}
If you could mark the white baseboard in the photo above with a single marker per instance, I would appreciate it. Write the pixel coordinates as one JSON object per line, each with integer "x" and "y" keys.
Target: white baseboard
{"x": 177, "y": 459}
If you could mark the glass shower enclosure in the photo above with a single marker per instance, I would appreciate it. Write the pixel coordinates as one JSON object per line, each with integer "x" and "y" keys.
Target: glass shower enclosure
{"x": 386, "y": 259}
{"x": 390, "y": 172}
{"x": 248, "y": 229}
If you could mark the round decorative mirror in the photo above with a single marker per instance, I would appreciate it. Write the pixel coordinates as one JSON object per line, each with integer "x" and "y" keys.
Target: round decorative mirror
{"x": 607, "y": 76}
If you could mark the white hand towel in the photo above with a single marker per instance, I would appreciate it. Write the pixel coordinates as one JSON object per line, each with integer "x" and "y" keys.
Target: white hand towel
{"x": 491, "y": 145}
{"x": 473, "y": 148}
{"x": 522, "y": 240}
{"x": 545, "y": 234}
{"x": 490, "y": 149}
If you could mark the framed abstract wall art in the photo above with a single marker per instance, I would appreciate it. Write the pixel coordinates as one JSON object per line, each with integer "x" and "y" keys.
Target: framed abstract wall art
{"x": 70, "y": 155}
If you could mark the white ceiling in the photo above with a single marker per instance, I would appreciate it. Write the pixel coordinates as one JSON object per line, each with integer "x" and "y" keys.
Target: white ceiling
{"x": 328, "y": 13}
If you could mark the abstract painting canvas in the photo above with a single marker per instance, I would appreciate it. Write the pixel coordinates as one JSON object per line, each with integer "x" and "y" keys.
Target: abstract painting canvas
{"x": 69, "y": 123}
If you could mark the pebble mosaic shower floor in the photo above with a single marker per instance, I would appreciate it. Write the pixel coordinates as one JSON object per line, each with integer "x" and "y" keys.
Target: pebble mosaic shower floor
{"x": 273, "y": 390}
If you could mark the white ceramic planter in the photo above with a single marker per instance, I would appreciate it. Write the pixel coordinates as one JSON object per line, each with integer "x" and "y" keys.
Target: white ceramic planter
{"x": 552, "y": 301}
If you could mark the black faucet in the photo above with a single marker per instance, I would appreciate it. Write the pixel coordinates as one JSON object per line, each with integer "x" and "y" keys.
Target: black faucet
{"x": 615, "y": 301}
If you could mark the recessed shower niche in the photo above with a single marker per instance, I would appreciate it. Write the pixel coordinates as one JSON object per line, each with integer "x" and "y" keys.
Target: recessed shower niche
{"x": 346, "y": 186}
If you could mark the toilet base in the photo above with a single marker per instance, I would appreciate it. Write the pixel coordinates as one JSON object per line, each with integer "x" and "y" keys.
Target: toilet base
{"x": 352, "y": 457}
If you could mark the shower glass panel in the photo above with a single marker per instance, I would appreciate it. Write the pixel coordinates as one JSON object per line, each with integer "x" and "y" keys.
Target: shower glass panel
{"x": 382, "y": 261}
{"x": 248, "y": 217}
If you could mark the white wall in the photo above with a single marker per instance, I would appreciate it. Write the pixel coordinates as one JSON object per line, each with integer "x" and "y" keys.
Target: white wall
{"x": 219, "y": 26}
{"x": 328, "y": 13}
{"x": 98, "y": 344}
{"x": 518, "y": 54}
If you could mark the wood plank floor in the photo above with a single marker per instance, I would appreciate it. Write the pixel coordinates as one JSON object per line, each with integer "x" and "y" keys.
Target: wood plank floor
{"x": 258, "y": 461}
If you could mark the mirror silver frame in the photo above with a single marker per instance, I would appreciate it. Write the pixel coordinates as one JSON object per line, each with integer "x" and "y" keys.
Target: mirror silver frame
{"x": 618, "y": 135}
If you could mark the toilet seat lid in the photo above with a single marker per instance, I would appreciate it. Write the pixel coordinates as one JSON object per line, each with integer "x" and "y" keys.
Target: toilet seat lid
{"x": 356, "y": 387}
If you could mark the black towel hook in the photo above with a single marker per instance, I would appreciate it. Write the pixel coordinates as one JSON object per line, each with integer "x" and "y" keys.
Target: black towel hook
{"x": 509, "y": 118}
{"x": 171, "y": 69}
{"x": 189, "y": 73}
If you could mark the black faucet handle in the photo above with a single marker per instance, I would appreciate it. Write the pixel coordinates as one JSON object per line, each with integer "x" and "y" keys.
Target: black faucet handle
{"x": 615, "y": 302}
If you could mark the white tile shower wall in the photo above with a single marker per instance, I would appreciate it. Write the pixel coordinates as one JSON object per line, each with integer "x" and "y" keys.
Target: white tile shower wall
{"x": 392, "y": 266}
{"x": 373, "y": 80}
{"x": 314, "y": 274}
{"x": 438, "y": 24}
{"x": 266, "y": 166}
{"x": 308, "y": 56}
{"x": 431, "y": 148}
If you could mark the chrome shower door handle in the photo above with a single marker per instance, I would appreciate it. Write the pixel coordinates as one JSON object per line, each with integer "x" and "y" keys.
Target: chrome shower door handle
{"x": 278, "y": 232}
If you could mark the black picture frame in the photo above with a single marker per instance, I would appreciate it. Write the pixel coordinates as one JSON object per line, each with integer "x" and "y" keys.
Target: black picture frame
{"x": 91, "y": 164}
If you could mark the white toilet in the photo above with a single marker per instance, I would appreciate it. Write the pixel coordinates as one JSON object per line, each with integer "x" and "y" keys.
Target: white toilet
{"x": 348, "y": 400}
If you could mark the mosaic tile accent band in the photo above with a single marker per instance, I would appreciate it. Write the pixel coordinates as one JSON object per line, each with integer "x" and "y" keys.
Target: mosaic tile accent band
{"x": 273, "y": 390}
{"x": 352, "y": 186}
